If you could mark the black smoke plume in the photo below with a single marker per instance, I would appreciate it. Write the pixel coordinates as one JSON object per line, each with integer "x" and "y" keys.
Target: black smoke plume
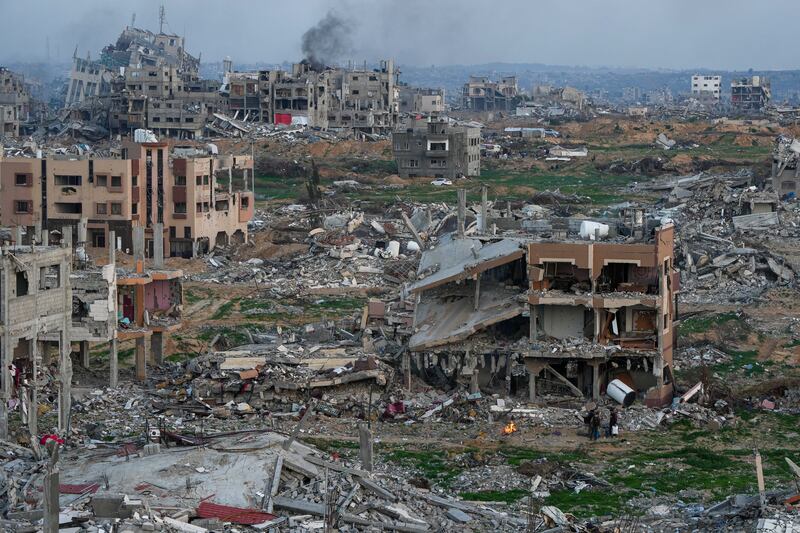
{"x": 328, "y": 41}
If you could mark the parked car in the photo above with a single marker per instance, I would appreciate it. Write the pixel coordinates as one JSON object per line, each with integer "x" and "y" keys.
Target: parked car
{"x": 441, "y": 181}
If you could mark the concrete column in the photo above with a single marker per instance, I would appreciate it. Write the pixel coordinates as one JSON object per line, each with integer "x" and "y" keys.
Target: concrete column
{"x": 84, "y": 351}
{"x": 473, "y": 381}
{"x": 138, "y": 243}
{"x": 82, "y": 229}
{"x": 484, "y": 208}
{"x": 51, "y": 494}
{"x": 33, "y": 402}
{"x": 18, "y": 235}
{"x": 65, "y": 382}
{"x": 595, "y": 380}
{"x": 158, "y": 344}
{"x": 66, "y": 236}
{"x": 112, "y": 248}
{"x": 365, "y": 447}
{"x": 142, "y": 355}
{"x": 45, "y": 238}
{"x": 531, "y": 387}
{"x": 462, "y": 210}
{"x": 5, "y": 359}
{"x": 158, "y": 245}
{"x": 113, "y": 358}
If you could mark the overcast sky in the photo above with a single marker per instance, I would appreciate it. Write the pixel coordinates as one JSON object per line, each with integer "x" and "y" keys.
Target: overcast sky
{"x": 675, "y": 34}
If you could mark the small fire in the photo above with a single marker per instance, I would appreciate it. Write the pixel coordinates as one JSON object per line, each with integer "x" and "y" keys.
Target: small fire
{"x": 510, "y": 428}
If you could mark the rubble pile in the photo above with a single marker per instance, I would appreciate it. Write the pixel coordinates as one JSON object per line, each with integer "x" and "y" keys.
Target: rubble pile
{"x": 731, "y": 237}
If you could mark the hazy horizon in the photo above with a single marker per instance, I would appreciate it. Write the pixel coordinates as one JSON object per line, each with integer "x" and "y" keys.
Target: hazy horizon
{"x": 626, "y": 34}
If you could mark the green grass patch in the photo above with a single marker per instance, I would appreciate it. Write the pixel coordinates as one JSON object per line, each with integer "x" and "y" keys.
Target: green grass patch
{"x": 703, "y": 323}
{"x": 433, "y": 464}
{"x": 224, "y": 310}
{"x": 515, "y": 455}
{"x": 588, "y": 503}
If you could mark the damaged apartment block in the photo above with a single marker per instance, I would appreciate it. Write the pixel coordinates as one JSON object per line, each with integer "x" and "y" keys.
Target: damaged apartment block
{"x": 150, "y": 304}
{"x": 554, "y": 307}
{"x": 189, "y": 191}
{"x": 35, "y": 323}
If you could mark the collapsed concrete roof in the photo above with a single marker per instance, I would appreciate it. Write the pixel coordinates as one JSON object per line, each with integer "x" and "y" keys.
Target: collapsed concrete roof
{"x": 440, "y": 322}
{"x": 465, "y": 258}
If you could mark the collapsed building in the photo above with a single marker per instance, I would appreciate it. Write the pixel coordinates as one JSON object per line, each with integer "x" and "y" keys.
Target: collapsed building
{"x": 144, "y": 80}
{"x": 482, "y": 94}
{"x": 437, "y": 146}
{"x": 330, "y": 98}
{"x": 187, "y": 190}
{"x": 15, "y": 103}
{"x": 785, "y": 170}
{"x": 555, "y": 306}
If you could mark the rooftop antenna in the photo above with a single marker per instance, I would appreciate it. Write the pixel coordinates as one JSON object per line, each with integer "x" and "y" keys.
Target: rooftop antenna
{"x": 133, "y": 19}
{"x": 161, "y": 16}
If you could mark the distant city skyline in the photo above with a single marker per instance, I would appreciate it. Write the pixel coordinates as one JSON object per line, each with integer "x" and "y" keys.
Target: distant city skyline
{"x": 678, "y": 35}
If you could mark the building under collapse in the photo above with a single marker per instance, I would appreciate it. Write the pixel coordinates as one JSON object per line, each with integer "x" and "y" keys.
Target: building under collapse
{"x": 438, "y": 147}
{"x": 15, "y": 101}
{"x": 189, "y": 192}
{"x": 555, "y": 306}
{"x": 482, "y": 94}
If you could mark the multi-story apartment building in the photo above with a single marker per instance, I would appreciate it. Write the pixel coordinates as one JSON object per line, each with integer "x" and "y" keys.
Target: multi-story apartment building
{"x": 482, "y": 94}
{"x": 706, "y": 88}
{"x": 750, "y": 94}
{"x": 561, "y": 306}
{"x": 418, "y": 100}
{"x": 14, "y": 103}
{"x": 191, "y": 195}
{"x": 438, "y": 147}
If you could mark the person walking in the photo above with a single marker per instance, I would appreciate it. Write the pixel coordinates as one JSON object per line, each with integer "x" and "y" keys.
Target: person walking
{"x": 594, "y": 423}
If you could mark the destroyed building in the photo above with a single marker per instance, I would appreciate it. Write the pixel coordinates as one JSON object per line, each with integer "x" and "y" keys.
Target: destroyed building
{"x": 189, "y": 191}
{"x": 578, "y": 304}
{"x": 331, "y": 98}
{"x": 150, "y": 303}
{"x": 419, "y": 100}
{"x": 35, "y": 321}
{"x": 785, "y": 169}
{"x": 144, "y": 80}
{"x": 750, "y": 94}
{"x": 437, "y": 146}
{"x": 482, "y": 94}
{"x": 706, "y": 88}
{"x": 15, "y": 103}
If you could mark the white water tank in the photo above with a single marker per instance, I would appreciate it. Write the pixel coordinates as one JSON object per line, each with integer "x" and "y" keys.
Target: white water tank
{"x": 621, "y": 393}
{"x": 591, "y": 230}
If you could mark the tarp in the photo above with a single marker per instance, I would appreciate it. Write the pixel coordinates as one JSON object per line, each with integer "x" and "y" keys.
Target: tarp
{"x": 283, "y": 118}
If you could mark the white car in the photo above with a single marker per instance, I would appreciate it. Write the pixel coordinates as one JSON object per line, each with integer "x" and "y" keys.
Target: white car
{"x": 441, "y": 181}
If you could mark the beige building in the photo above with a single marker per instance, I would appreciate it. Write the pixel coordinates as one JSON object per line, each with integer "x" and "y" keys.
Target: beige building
{"x": 14, "y": 103}
{"x": 191, "y": 194}
{"x": 437, "y": 147}
{"x": 418, "y": 100}
{"x": 482, "y": 94}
